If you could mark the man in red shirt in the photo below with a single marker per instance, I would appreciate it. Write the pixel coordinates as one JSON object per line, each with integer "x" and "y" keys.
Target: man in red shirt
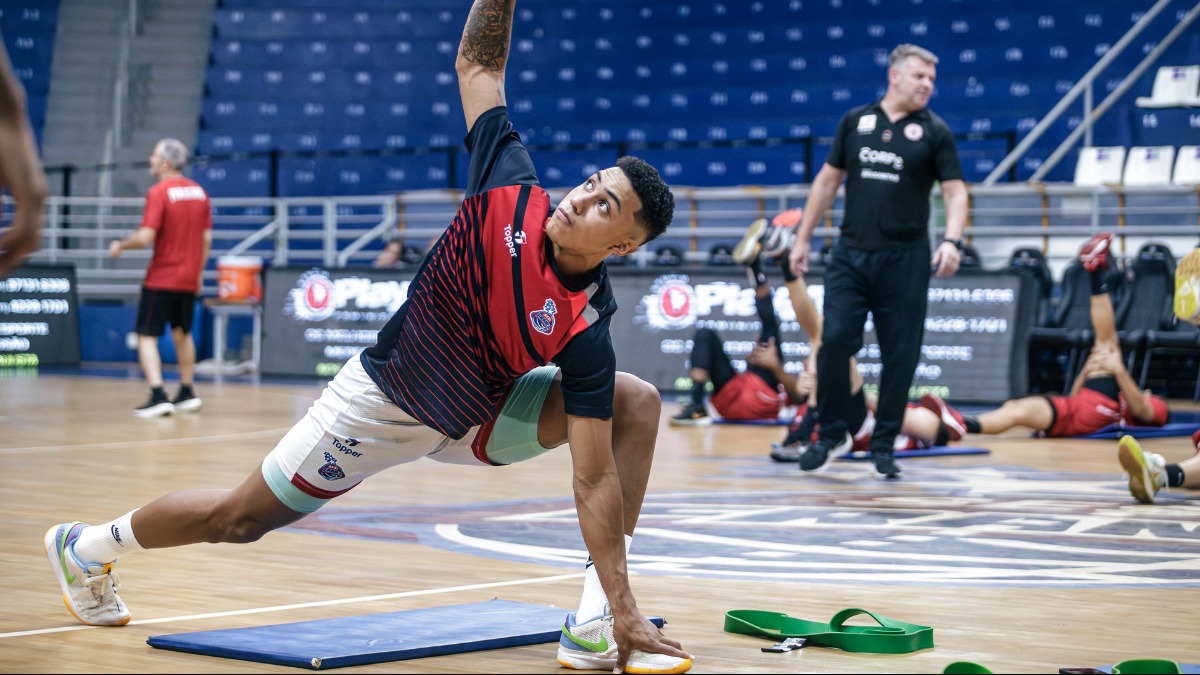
{"x": 177, "y": 222}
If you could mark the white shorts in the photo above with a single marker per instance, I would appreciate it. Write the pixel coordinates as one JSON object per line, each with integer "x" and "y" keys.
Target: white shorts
{"x": 353, "y": 431}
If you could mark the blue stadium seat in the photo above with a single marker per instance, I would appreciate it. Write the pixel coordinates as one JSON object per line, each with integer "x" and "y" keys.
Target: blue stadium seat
{"x": 234, "y": 178}
{"x": 647, "y": 73}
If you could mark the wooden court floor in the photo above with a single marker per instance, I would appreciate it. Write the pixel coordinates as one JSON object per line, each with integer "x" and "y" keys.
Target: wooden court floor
{"x": 1026, "y": 559}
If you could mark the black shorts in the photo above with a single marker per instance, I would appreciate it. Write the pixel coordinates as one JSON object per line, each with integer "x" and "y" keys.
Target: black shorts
{"x": 158, "y": 308}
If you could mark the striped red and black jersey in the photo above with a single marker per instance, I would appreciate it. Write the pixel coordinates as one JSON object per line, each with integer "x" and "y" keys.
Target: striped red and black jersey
{"x": 486, "y": 307}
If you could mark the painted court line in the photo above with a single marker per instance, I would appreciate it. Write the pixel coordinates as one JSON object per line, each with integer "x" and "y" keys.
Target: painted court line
{"x": 153, "y": 442}
{"x": 306, "y": 605}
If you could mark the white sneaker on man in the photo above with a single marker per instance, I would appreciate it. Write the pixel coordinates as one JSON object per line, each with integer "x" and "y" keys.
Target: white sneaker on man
{"x": 89, "y": 591}
{"x": 590, "y": 646}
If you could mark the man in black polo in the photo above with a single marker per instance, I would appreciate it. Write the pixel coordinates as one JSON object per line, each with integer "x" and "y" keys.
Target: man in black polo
{"x": 890, "y": 152}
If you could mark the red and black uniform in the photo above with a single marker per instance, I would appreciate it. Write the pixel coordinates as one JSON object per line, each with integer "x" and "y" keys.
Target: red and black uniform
{"x": 488, "y": 304}
{"x": 179, "y": 212}
{"x": 1096, "y": 405}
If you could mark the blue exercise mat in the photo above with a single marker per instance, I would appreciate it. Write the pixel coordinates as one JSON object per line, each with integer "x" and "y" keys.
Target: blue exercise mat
{"x": 777, "y": 422}
{"x": 936, "y": 451}
{"x": 378, "y": 638}
{"x": 1170, "y": 429}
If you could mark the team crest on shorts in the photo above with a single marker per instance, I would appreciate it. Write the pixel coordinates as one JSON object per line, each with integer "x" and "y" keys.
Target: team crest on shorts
{"x": 543, "y": 319}
{"x": 330, "y": 470}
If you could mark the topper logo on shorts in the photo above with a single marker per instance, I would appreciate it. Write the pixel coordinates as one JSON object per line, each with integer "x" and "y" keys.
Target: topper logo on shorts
{"x": 345, "y": 448}
{"x": 975, "y": 526}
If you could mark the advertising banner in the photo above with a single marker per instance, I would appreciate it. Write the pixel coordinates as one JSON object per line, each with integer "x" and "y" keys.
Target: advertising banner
{"x": 975, "y": 334}
{"x": 39, "y": 317}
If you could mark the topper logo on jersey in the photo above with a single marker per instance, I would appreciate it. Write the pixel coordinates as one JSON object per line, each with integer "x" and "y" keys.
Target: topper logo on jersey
{"x": 870, "y": 156}
{"x": 316, "y": 297}
{"x": 512, "y": 241}
{"x": 543, "y": 319}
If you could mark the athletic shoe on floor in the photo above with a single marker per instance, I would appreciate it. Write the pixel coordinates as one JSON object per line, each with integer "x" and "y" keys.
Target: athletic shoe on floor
{"x": 590, "y": 646}
{"x": 1187, "y": 287}
{"x": 1094, "y": 254}
{"x": 788, "y": 452}
{"x": 949, "y": 416}
{"x": 748, "y": 247}
{"x": 885, "y": 464}
{"x": 156, "y": 406}
{"x": 89, "y": 591}
{"x": 692, "y": 415}
{"x": 186, "y": 401}
{"x": 822, "y": 452}
{"x": 1147, "y": 471}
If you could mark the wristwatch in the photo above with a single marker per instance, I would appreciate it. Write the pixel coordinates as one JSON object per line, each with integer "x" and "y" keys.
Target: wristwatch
{"x": 958, "y": 243}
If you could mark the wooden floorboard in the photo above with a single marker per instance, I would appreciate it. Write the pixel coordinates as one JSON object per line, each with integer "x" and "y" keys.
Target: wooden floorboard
{"x": 1117, "y": 581}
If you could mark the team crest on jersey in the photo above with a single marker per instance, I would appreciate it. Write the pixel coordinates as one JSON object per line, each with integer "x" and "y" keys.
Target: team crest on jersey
{"x": 914, "y": 132}
{"x": 543, "y": 319}
{"x": 330, "y": 470}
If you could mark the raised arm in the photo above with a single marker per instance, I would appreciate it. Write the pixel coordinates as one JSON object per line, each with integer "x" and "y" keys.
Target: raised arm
{"x": 482, "y": 57}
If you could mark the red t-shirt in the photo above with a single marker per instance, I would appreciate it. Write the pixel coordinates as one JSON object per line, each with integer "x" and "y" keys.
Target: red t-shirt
{"x": 178, "y": 210}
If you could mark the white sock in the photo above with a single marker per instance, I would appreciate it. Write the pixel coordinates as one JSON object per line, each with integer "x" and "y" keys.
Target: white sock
{"x": 101, "y": 544}
{"x": 594, "y": 602}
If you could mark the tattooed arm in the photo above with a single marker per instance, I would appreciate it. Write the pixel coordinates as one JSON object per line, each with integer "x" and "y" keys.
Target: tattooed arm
{"x": 482, "y": 55}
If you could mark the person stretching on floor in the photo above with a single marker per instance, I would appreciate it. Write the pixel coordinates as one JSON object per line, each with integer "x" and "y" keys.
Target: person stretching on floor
{"x": 1103, "y": 394}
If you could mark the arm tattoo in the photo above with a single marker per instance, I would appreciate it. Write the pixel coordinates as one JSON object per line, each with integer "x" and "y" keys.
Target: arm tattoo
{"x": 489, "y": 26}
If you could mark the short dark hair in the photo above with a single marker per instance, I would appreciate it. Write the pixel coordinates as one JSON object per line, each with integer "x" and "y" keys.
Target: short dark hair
{"x": 658, "y": 204}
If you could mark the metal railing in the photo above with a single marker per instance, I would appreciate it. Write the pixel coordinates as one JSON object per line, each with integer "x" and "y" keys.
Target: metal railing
{"x": 349, "y": 231}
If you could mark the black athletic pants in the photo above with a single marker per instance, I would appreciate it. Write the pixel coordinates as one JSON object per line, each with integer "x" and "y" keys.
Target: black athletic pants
{"x": 893, "y": 285}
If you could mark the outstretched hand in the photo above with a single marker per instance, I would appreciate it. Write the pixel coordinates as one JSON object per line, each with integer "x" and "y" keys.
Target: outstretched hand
{"x": 635, "y": 632}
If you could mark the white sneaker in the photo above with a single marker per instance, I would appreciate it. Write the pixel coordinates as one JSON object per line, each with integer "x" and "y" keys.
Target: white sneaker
{"x": 89, "y": 591}
{"x": 1147, "y": 471}
{"x": 590, "y": 646}
{"x": 748, "y": 247}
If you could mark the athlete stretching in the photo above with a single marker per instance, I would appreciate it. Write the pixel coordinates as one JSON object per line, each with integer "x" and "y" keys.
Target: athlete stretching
{"x": 514, "y": 283}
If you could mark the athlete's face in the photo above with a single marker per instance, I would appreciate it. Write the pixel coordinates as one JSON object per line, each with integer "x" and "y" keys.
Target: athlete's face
{"x": 910, "y": 83}
{"x": 597, "y": 216}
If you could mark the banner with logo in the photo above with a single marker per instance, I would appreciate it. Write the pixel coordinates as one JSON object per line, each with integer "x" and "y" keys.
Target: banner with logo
{"x": 975, "y": 332}
{"x": 314, "y": 319}
{"x": 974, "y": 350}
